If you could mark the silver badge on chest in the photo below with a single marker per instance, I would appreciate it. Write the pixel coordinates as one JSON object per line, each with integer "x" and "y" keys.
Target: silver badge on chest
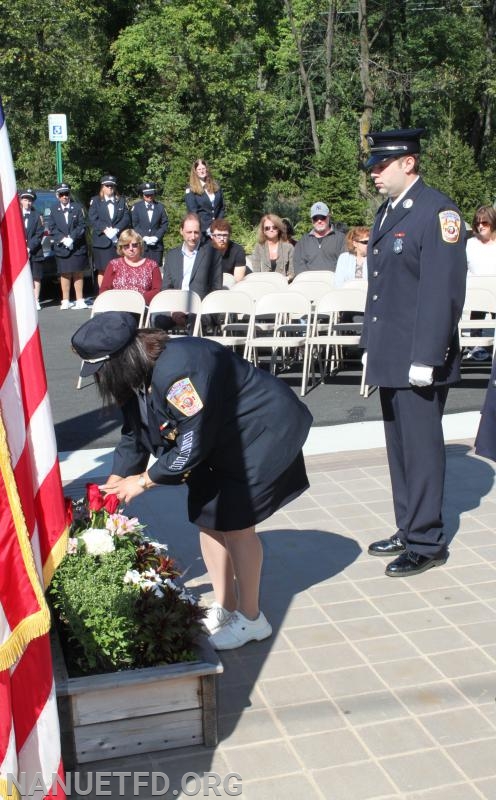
{"x": 398, "y": 246}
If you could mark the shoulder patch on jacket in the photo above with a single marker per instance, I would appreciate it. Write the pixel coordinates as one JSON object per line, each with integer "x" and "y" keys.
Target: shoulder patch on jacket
{"x": 183, "y": 396}
{"x": 451, "y": 224}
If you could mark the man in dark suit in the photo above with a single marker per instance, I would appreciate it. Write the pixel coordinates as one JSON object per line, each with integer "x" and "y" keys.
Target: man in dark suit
{"x": 149, "y": 219}
{"x": 417, "y": 272}
{"x": 33, "y": 231}
{"x": 192, "y": 265}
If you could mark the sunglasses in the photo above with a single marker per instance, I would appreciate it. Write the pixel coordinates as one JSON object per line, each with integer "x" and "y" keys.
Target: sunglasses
{"x": 361, "y": 241}
{"x": 130, "y": 245}
{"x": 483, "y": 223}
{"x": 318, "y": 218}
{"x": 270, "y": 228}
{"x": 63, "y": 194}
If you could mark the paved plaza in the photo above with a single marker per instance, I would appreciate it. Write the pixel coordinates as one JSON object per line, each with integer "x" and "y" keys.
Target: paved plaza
{"x": 371, "y": 687}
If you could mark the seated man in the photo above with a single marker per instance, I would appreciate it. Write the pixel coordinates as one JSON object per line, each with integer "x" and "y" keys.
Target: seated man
{"x": 322, "y": 246}
{"x": 229, "y": 254}
{"x": 191, "y": 266}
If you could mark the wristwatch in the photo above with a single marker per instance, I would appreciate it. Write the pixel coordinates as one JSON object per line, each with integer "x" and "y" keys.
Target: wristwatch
{"x": 142, "y": 481}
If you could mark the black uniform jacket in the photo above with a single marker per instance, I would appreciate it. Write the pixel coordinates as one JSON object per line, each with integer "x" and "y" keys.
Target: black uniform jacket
{"x": 209, "y": 406}
{"x": 207, "y": 209}
{"x": 75, "y": 227}
{"x": 34, "y": 234}
{"x": 485, "y": 443}
{"x": 417, "y": 271}
{"x": 158, "y": 225}
{"x": 206, "y": 274}
{"x": 99, "y": 219}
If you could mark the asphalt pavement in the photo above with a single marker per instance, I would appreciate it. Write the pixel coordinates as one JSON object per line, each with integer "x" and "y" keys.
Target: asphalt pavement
{"x": 82, "y": 422}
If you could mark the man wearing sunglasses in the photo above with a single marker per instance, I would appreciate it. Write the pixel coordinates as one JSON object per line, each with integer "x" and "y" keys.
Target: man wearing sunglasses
{"x": 417, "y": 270}
{"x": 322, "y": 246}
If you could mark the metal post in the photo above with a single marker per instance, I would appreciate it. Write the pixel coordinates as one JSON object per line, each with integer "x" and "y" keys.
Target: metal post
{"x": 58, "y": 160}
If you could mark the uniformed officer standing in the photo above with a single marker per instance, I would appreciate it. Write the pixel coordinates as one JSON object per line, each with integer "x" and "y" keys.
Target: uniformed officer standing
{"x": 149, "y": 218}
{"x": 417, "y": 272}
{"x": 33, "y": 231}
{"x": 108, "y": 216}
{"x": 67, "y": 226}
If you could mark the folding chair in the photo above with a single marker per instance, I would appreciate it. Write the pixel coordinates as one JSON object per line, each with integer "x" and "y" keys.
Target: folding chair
{"x": 286, "y": 334}
{"x": 118, "y": 300}
{"x": 170, "y": 301}
{"x": 230, "y": 306}
{"x": 276, "y": 279}
{"x": 323, "y": 275}
{"x": 478, "y": 332}
{"x": 227, "y": 280}
{"x": 336, "y": 336}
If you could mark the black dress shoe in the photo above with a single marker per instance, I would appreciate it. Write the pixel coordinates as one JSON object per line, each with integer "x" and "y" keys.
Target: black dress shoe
{"x": 412, "y": 563}
{"x": 387, "y": 547}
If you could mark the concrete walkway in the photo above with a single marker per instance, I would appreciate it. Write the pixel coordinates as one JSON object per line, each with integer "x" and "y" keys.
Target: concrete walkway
{"x": 371, "y": 687}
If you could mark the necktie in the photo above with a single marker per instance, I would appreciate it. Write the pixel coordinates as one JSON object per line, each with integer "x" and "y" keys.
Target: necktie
{"x": 149, "y": 206}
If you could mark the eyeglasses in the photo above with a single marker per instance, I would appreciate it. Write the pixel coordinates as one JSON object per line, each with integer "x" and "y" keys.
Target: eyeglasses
{"x": 361, "y": 241}
{"x": 130, "y": 245}
{"x": 220, "y": 235}
{"x": 319, "y": 218}
{"x": 270, "y": 228}
{"x": 482, "y": 223}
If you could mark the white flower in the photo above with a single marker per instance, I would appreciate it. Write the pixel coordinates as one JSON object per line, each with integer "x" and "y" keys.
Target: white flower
{"x": 72, "y": 545}
{"x": 159, "y": 547}
{"x": 98, "y": 541}
{"x": 132, "y": 576}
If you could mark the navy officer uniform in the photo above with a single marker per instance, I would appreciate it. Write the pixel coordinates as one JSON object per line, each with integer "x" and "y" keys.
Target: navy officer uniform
{"x": 68, "y": 222}
{"x": 485, "y": 442}
{"x": 232, "y": 431}
{"x": 416, "y": 289}
{"x": 34, "y": 231}
{"x": 102, "y": 218}
{"x": 149, "y": 219}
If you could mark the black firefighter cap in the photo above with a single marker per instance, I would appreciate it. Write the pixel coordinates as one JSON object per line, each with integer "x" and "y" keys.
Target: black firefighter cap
{"x": 62, "y": 187}
{"x": 102, "y": 337}
{"x": 29, "y": 193}
{"x": 393, "y": 144}
{"x": 148, "y": 188}
{"x": 108, "y": 180}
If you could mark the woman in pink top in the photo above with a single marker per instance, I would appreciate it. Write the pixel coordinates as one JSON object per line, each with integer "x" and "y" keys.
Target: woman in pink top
{"x": 131, "y": 270}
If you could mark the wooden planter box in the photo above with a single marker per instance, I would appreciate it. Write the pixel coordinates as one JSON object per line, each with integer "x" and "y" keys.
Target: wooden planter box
{"x": 137, "y": 711}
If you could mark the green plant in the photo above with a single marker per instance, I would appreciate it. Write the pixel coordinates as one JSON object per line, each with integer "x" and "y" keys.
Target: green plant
{"x": 115, "y": 597}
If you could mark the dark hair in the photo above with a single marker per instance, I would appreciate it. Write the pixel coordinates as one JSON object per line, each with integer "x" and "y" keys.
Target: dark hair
{"x": 484, "y": 214}
{"x": 132, "y": 367}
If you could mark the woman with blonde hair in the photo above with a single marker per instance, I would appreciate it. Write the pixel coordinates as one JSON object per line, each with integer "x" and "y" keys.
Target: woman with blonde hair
{"x": 352, "y": 266}
{"x": 131, "y": 269}
{"x": 273, "y": 253}
{"x": 204, "y": 196}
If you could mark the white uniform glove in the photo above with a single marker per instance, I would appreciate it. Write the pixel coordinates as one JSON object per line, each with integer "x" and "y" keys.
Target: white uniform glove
{"x": 147, "y": 239}
{"x": 67, "y": 242}
{"x": 152, "y": 240}
{"x": 420, "y": 375}
{"x": 364, "y": 358}
{"x": 111, "y": 233}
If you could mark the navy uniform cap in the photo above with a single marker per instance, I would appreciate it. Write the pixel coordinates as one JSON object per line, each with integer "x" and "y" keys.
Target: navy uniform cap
{"x": 109, "y": 180}
{"x": 393, "y": 144}
{"x": 102, "y": 337}
{"x": 30, "y": 193}
{"x": 148, "y": 187}
{"x": 62, "y": 187}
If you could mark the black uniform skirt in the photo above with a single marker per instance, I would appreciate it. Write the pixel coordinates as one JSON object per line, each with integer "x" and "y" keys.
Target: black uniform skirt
{"x": 222, "y": 503}
{"x": 102, "y": 256}
{"x": 73, "y": 263}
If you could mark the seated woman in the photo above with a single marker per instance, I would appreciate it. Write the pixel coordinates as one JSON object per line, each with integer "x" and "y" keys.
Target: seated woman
{"x": 352, "y": 266}
{"x": 131, "y": 270}
{"x": 273, "y": 253}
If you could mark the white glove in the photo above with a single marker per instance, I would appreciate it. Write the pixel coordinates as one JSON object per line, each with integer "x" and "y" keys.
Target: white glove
{"x": 147, "y": 239}
{"x": 67, "y": 242}
{"x": 364, "y": 358}
{"x": 420, "y": 375}
{"x": 152, "y": 240}
{"x": 111, "y": 233}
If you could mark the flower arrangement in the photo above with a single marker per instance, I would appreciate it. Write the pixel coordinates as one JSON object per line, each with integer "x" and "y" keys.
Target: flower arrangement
{"x": 115, "y": 597}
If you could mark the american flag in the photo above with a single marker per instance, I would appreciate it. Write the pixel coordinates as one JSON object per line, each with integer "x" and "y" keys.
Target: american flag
{"x": 32, "y": 519}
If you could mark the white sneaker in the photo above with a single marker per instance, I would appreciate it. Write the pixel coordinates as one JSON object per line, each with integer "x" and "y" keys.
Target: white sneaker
{"x": 217, "y": 616}
{"x": 79, "y": 305}
{"x": 38, "y": 307}
{"x": 65, "y": 305}
{"x": 239, "y": 630}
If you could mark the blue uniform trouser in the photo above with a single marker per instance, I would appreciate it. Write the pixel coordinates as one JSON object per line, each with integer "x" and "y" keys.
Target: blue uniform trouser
{"x": 417, "y": 462}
